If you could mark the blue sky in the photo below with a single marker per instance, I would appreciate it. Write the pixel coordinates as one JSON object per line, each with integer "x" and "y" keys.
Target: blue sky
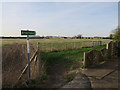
{"x": 60, "y": 18}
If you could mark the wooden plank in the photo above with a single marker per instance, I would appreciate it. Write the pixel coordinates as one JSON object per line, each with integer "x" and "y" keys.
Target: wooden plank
{"x": 25, "y": 68}
{"x": 27, "y": 65}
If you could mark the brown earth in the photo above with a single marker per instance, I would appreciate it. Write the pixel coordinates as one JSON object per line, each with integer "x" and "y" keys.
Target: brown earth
{"x": 57, "y": 76}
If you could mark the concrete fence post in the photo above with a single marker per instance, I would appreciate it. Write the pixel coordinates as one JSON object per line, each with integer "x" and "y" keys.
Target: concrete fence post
{"x": 94, "y": 57}
{"x": 85, "y": 60}
{"x": 118, "y": 49}
{"x": 107, "y": 46}
{"x": 109, "y": 49}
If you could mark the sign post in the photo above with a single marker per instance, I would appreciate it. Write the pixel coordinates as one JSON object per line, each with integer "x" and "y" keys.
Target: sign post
{"x": 23, "y": 32}
{"x": 28, "y": 54}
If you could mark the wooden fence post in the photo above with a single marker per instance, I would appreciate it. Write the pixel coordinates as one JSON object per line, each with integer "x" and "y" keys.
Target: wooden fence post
{"x": 38, "y": 59}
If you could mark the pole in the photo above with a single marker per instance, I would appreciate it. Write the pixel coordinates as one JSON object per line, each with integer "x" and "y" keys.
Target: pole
{"x": 28, "y": 53}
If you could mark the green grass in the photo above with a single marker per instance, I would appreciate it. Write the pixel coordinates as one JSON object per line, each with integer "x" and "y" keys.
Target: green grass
{"x": 69, "y": 78}
{"x": 68, "y": 57}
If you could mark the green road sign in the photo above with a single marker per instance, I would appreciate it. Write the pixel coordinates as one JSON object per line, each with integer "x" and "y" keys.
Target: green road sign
{"x": 23, "y": 32}
{"x": 27, "y": 32}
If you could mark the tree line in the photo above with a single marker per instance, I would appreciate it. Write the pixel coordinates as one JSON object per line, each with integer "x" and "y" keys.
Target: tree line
{"x": 115, "y": 34}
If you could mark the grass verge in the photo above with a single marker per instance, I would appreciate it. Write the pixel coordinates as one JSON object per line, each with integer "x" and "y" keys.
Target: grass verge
{"x": 61, "y": 66}
{"x": 68, "y": 57}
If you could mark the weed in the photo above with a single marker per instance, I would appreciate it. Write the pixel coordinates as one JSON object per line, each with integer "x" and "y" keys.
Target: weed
{"x": 82, "y": 66}
{"x": 69, "y": 78}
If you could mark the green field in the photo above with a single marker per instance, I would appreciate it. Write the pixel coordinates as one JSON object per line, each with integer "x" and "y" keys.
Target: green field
{"x": 67, "y": 57}
{"x": 48, "y": 45}
{"x": 61, "y": 65}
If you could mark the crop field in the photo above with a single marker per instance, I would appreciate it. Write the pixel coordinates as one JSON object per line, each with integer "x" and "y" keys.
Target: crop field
{"x": 48, "y": 45}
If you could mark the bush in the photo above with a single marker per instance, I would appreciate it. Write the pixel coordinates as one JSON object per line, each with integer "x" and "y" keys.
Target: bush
{"x": 116, "y": 34}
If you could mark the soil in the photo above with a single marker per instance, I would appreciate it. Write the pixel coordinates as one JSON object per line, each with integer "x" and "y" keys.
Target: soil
{"x": 59, "y": 75}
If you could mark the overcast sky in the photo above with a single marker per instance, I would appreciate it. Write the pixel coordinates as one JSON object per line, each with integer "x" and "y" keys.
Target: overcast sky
{"x": 60, "y": 18}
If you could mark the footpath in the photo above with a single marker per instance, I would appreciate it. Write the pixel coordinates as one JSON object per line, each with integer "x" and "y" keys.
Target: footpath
{"x": 105, "y": 76}
{"x": 80, "y": 81}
